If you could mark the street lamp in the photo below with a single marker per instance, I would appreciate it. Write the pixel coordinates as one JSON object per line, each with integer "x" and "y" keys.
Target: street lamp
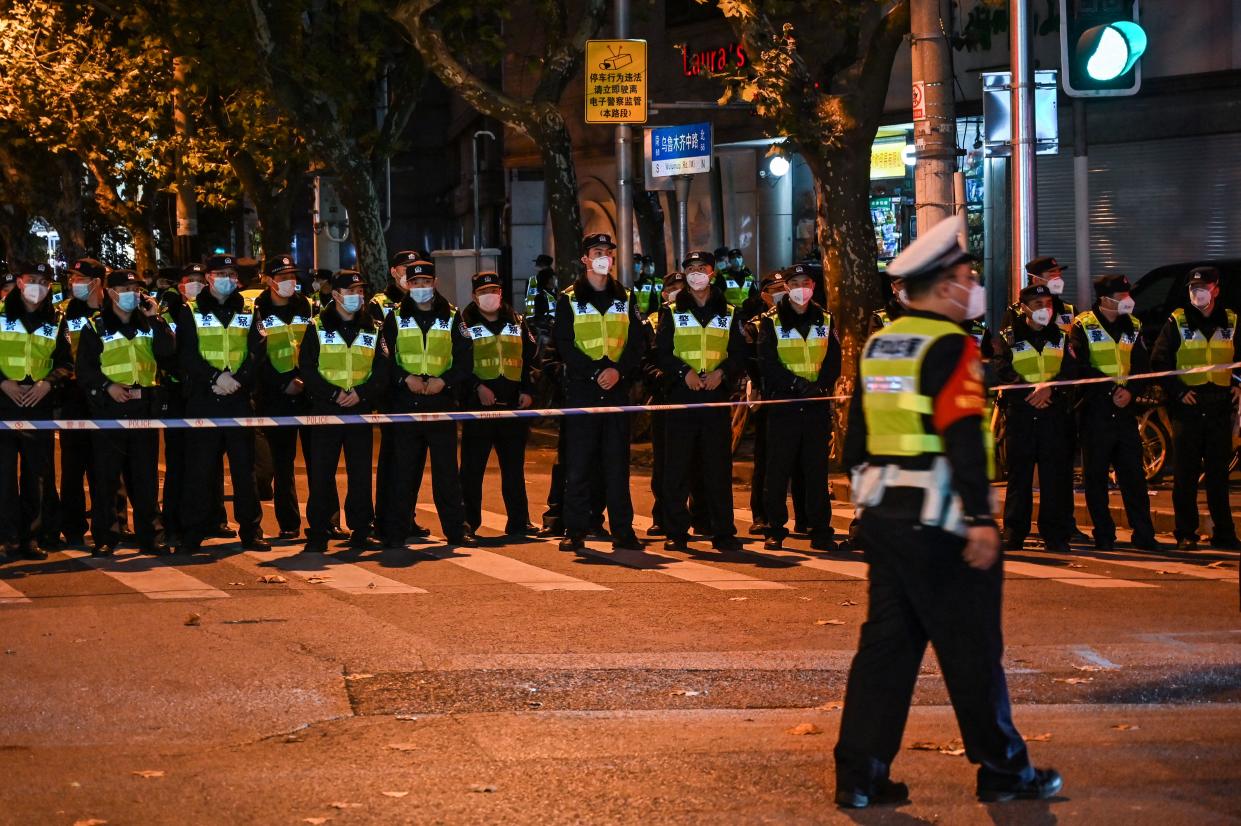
{"x": 778, "y": 166}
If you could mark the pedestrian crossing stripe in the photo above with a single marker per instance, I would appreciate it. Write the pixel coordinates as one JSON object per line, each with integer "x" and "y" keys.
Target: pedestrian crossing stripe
{"x": 148, "y": 575}
{"x": 334, "y": 573}
{"x": 10, "y": 595}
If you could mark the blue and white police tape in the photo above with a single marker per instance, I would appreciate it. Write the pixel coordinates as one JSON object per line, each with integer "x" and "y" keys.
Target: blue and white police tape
{"x": 1188, "y": 371}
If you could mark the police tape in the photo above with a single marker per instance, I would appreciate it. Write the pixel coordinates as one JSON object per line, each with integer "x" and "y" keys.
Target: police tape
{"x": 531, "y": 413}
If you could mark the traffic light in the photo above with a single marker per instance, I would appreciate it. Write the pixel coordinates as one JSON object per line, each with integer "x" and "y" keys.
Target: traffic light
{"x": 1101, "y": 43}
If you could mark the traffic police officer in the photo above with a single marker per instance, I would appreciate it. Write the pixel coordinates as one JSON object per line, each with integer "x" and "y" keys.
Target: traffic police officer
{"x": 700, "y": 348}
{"x": 283, "y": 316}
{"x": 8, "y": 281}
{"x": 431, "y": 360}
{"x": 219, "y": 349}
{"x": 1199, "y": 334}
{"x": 1047, "y": 272}
{"x": 599, "y": 337}
{"x": 799, "y": 356}
{"x": 1107, "y": 340}
{"x": 915, "y": 444}
{"x": 344, "y": 366}
{"x": 119, "y": 362}
{"x": 1034, "y": 350}
{"x": 502, "y": 349}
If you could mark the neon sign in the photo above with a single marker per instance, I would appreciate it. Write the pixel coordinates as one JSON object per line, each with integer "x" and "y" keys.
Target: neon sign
{"x": 713, "y": 61}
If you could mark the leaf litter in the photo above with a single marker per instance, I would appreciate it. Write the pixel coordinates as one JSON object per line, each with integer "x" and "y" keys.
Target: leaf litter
{"x": 804, "y": 729}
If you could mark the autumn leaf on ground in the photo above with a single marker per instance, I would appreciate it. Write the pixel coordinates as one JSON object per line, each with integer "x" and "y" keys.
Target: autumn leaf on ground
{"x": 1217, "y": 564}
{"x": 952, "y": 748}
{"x": 91, "y": 821}
{"x": 345, "y": 805}
{"x": 1088, "y": 667}
{"x": 148, "y": 773}
{"x": 402, "y": 746}
{"x": 1125, "y": 727}
{"x": 358, "y": 676}
{"x": 834, "y": 705}
{"x": 479, "y": 788}
{"x": 407, "y": 717}
{"x": 848, "y": 603}
{"x": 1072, "y": 680}
{"x": 805, "y": 728}
{"x": 194, "y": 619}
{"x": 318, "y": 580}
{"x": 923, "y": 745}
{"x": 829, "y": 622}
{"x": 1039, "y": 738}
{"x": 737, "y": 599}
{"x": 394, "y": 794}
{"x": 685, "y": 692}
{"x": 272, "y": 579}
{"x": 236, "y": 583}
{"x": 1075, "y": 565}
{"x": 315, "y": 821}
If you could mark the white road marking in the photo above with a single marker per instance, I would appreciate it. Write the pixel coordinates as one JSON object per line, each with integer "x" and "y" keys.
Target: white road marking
{"x": 148, "y": 575}
{"x": 10, "y": 595}
{"x": 1070, "y": 576}
{"x": 1168, "y": 566}
{"x": 1094, "y": 657}
{"x": 342, "y": 576}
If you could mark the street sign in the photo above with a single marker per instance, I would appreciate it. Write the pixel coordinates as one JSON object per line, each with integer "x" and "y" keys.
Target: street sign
{"x": 679, "y": 150}
{"x": 919, "y": 100}
{"x": 997, "y": 117}
{"x": 616, "y": 81}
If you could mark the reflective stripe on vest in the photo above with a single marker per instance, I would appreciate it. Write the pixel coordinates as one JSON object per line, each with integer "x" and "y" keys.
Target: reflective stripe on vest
{"x": 127, "y": 361}
{"x": 1197, "y": 351}
{"x": 1109, "y": 357}
{"x": 736, "y": 292}
{"x": 892, "y": 401}
{"x": 25, "y": 353}
{"x": 284, "y": 341}
{"x": 346, "y": 365}
{"x": 1065, "y": 320}
{"x": 702, "y": 348}
{"x": 497, "y": 355}
{"x": 1035, "y": 366}
{"x": 223, "y": 347}
{"x": 803, "y": 356}
{"x": 424, "y": 355}
{"x": 532, "y": 293}
{"x": 597, "y": 335}
{"x": 74, "y": 327}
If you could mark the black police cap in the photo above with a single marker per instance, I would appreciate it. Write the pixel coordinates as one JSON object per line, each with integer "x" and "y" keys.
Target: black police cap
{"x": 485, "y": 279}
{"x": 673, "y": 278}
{"x": 88, "y": 267}
{"x": 123, "y": 278}
{"x": 420, "y": 268}
{"x": 406, "y": 257}
{"x": 1034, "y": 291}
{"x": 344, "y": 279}
{"x": 32, "y": 268}
{"x": 770, "y": 279}
{"x": 598, "y": 239}
{"x": 280, "y": 263}
{"x": 227, "y": 261}
{"x": 1109, "y": 285}
{"x": 544, "y": 261}
{"x": 1044, "y": 264}
{"x": 193, "y": 269}
{"x": 1204, "y": 275}
{"x": 699, "y": 257}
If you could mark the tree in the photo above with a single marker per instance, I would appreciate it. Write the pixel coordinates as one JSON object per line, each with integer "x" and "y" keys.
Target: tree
{"x": 36, "y": 183}
{"x": 823, "y": 90}
{"x": 433, "y": 24}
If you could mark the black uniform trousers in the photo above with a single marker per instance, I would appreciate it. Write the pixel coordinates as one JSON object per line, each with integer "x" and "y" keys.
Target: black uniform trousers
{"x": 553, "y": 517}
{"x": 282, "y": 441}
{"x": 134, "y": 456}
{"x": 659, "y": 459}
{"x": 799, "y": 439}
{"x": 1110, "y": 440}
{"x": 326, "y": 443}
{"x": 411, "y": 444}
{"x": 758, "y": 481}
{"x": 1202, "y": 444}
{"x": 77, "y": 470}
{"x": 920, "y": 591}
{"x": 508, "y": 438}
{"x": 1038, "y": 437}
{"x": 24, "y": 459}
{"x": 703, "y": 450}
{"x": 385, "y": 480}
{"x": 204, "y": 451}
{"x": 597, "y": 450}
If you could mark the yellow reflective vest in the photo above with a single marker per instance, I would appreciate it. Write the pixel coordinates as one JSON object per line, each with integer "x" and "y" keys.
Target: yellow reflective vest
{"x": 600, "y": 335}
{"x": 428, "y": 354}
{"x": 26, "y": 352}
{"x": 497, "y": 355}
{"x": 1196, "y": 350}
{"x": 224, "y": 347}
{"x": 803, "y": 356}
{"x": 128, "y": 361}
{"x": 284, "y": 341}
{"x": 346, "y": 364}
{"x": 1110, "y": 357}
{"x": 702, "y": 348}
{"x": 1034, "y": 366}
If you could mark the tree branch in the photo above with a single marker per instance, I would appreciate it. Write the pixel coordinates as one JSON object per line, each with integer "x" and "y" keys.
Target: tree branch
{"x": 561, "y": 64}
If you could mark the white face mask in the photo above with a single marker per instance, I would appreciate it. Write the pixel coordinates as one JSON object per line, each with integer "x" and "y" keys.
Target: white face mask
{"x": 1124, "y": 306}
{"x": 1055, "y": 286}
{"x": 192, "y": 289}
{"x": 601, "y": 265}
{"x": 285, "y": 289}
{"x": 1200, "y": 298}
{"x": 489, "y": 302}
{"x": 1041, "y": 317}
{"x": 976, "y": 304}
{"x": 422, "y": 295}
{"x": 776, "y": 298}
{"x": 697, "y": 280}
{"x": 903, "y": 297}
{"x": 34, "y": 293}
{"x": 672, "y": 295}
{"x": 81, "y": 291}
{"x": 801, "y": 295}
{"x": 316, "y": 285}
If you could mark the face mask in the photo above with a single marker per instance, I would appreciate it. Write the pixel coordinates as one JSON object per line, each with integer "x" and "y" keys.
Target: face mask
{"x": 1124, "y": 306}
{"x": 1041, "y": 317}
{"x": 34, "y": 293}
{"x": 672, "y": 295}
{"x": 223, "y": 287}
{"x": 649, "y": 269}
{"x": 801, "y": 295}
{"x": 1200, "y": 298}
{"x": 127, "y": 302}
{"x": 192, "y": 289}
{"x": 976, "y": 303}
{"x": 352, "y": 302}
{"x": 422, "y": 295}
{"x": 1055, "y": 286}
{"x": 902, "y": 296}
{"x": 317, "y": 285}
{"x": 776, "y": 298}
{"x": 81, "y": 291}
{"x": 489, "y": 302}
{"x": 601, "y": 265}
{"x": 738, "y": 263}
{"x": 637, "y": 268}
{"x": 284, "y": 289}
{"x": 697, "y": 280}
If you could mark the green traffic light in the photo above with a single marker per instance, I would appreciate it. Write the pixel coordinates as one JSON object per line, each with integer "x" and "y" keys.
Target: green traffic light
{"x": 1111, "y": 50}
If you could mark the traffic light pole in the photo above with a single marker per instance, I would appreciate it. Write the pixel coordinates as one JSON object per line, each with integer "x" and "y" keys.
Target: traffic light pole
{"x": 624, "y": 172}
{"x": 1081, "y": 204}
{"x": 1024, "y": 217}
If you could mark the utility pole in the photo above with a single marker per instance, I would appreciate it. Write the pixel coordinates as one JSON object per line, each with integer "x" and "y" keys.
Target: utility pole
{"x": 624, "y": 172}
{"x": 1024, "y": 214}
{"x": 185, "y": 248}
{"x": 1081, "y": 204}
{"x": 935, "y": 120}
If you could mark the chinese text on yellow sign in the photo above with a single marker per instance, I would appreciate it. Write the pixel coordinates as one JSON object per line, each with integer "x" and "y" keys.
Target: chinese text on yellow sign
{"x": 616, "y": 81}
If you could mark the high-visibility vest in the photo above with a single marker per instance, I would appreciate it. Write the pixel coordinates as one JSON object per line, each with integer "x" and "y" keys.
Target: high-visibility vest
{"x": 883, "y": 317}
{"x": 737, "y": 290}
{"x": 1034, "y": 366}
{"x": 252, "y": 295}
{"x": 224, "y": 347}
{"x": 346, "y": 364}
{"x": 26, "y": 353}
{"x": 284, "y": 341}
{"x": 702, "y": 348}
{"x": 74, "y": 328}
{"x": 977, "y": 331}
{"x": 532, "y": 294}
{"x": 497, "y": 355}
{"x": 1064, "y": 320}
{"x": 128, "y": 361}
{"x": 803, "y": 356}
{"x": 384, "y": 303}
{"x": 648, "y": 294}
{"x": 1110, "y": 357}
{"x": 600, "y": 335}
{"x": 424, "y": 355}
{"x": 1198, "y": 351}
{"x": 892, "y": 401}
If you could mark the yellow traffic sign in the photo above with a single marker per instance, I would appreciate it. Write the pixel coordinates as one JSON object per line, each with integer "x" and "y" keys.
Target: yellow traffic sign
{"x": 616, "y": 81}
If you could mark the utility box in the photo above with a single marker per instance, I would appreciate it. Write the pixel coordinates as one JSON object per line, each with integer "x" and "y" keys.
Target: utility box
{"x": 455, "y": 268}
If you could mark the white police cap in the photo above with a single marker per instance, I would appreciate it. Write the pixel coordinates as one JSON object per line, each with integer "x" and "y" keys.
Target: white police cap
{"x": 940, "y": 247}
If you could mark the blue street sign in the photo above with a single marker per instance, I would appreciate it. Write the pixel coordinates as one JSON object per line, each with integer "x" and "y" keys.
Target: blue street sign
{"x": 680, "y": 150}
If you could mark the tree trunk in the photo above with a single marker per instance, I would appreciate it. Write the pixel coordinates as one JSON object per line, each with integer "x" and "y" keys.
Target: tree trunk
{"x": 357, "y": 193}
{"x": 650, "y": 215}
{"x": 16, "y": 240}
{"x": 560, "y": 188}
{"x": 146, "y": 260}
{"x": 274, "y": 211}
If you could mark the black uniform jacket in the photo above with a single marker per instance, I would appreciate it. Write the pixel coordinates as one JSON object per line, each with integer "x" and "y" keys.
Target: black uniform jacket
{"x": 90, "y": 375}
{"x": 323, "y": 394}
{"x": 778, "y": 381}
{"x": 197, "y": 375}
{"x": 1002, "y": 364}
{"x": 506, "y": 390}
{"x": 674, "y": 368}
{"x": 1163, "y": 357}
{"x": 1099, "y": 396}
{"x": 459, "y": 374}
{"x": 580, "y": 370}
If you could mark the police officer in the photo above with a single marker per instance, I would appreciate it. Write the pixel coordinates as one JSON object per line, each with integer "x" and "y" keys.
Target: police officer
{"x": 321, "y": 289}
{"x": 8, "y": 281}
{"x": 219, "y": 349}
{"x": 893, "y": 309}
{"x": 657, "y": 383}
{"x": 799, "y": 356}
{"x": 34, "y": 360}
{"x": 541, "y": 290}
{"x": 431, "y": 360}
{"x": 1107, "y": 340}
{"x": 1034, "y": 350}
{"x": 503, "y": 349}
{"x": 915, "y": 443}
{"x": 700, "y": 348}
{"x": 283, "y": 316}
{"x": 1199, "y": 334}
{"x": 599, "y": 337}
{"x": 344, "y": 367}
{"x": 118, "y": 368}
{"x": 772, "y": 290}
{"x": 1045, "y": 271}
{"x": 734, "y": 280}
{"x": 647, "y": 286}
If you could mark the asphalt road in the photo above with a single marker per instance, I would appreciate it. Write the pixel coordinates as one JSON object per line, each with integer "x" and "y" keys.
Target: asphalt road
{"x": 516, "y": 684}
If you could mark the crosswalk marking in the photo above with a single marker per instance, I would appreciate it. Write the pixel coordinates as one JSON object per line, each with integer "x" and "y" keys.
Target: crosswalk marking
{"x": 148, "y": 575}
{"x": 342, "y": 576}
{"x": 1167, "y": 567}
{"x": 10, "y": 595}
{"x": 1070, "y": 576}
